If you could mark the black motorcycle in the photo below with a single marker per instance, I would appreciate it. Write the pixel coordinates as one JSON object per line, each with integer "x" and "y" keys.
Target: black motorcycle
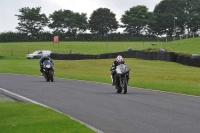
{"x": 48, "y": 71}
{"x": 122, "y": 78}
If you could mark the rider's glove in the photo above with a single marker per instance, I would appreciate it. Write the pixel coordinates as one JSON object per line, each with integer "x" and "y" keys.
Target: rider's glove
{"x": 112, "y": 71}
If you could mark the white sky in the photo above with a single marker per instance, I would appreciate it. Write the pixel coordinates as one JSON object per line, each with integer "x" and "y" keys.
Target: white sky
{"x": 8, "y": 8}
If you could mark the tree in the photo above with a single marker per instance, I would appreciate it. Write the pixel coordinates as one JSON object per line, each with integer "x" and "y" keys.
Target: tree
{"x": 103, "y": 21}
{"x": 187, "y": 14}
{"x": 66, "y": 21}
{"x": 136, "y": 20}
{"x": 32, "y": 21}
{"x": 166, "y": 13}
{"x": 193, "y": 15}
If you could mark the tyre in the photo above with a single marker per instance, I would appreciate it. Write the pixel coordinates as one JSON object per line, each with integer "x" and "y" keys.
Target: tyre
{"x": 45, "y": 76}
{"x": 119, "y": 88}
{"x": 51, "y": 76}
{"x": 48, "y": 77}
{"x": 125, "y": 85}
{"x": 52, "y": 79}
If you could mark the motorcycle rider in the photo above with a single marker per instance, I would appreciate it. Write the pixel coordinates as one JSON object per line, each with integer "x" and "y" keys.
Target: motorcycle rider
{"x": 119, "y": 60}
{"x": 42, "y": 59}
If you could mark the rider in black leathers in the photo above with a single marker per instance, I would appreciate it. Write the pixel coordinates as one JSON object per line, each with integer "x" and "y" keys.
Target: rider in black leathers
{"x": 42, "y": 59}
{"x": 119, "y": 60}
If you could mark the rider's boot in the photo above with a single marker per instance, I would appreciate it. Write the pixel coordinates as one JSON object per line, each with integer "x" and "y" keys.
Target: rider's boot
{"x": 113, "y": 83}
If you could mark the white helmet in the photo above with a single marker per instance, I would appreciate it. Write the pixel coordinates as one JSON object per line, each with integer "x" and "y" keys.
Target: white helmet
{"x": 119, "y": 59}
{"x": 44, "y": 56}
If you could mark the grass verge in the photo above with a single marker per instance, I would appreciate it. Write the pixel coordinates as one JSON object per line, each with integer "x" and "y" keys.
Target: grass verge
{"x": 20, "y": 117}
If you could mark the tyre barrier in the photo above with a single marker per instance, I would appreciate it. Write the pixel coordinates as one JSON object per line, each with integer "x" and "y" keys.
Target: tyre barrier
{"x": 146, "y": 55}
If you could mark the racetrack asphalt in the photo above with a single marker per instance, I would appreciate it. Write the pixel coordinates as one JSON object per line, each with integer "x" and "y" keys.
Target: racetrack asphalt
{"x": 98, "y": 104}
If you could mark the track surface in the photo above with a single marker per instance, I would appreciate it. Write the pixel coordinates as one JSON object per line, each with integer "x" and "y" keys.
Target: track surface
{"x": 97, "y": 104}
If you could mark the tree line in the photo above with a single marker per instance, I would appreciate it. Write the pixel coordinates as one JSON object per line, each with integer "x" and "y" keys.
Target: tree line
{"x": 169, "y": 17}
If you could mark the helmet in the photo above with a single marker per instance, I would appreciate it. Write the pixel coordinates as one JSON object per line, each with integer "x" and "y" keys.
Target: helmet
{"x": 119, "y": 59}
{"x": 44, "y": 56}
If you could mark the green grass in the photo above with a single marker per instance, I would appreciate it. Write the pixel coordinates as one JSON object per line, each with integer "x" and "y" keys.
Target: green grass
{"x": 19, "y": 50}
{"x": 156, "y": 75}
{"x": 19, "y": 117}
{"x": 187, "y": 46}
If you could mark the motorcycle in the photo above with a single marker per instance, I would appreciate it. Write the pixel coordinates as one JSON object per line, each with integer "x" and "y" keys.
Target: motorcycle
{"x": 48, "y": 71}
{"x": 122, "y": 78}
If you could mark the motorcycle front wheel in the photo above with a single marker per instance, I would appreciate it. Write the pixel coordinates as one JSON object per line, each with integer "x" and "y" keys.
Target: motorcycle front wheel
{"x": 47, "y": 76}
{"x": 48, "y": 79}
{"x": 51, "y": 76}
{"x": 118, "y": 86}
{"x": 125, "y": 85}
{"x": 119, "y": 90}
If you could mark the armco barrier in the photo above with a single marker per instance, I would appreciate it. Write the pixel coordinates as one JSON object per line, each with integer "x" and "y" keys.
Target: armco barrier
{"x": 146, "y": 55}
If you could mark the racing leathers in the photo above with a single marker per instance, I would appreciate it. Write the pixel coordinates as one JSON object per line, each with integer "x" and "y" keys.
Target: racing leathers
{"x": 113, "y": 72}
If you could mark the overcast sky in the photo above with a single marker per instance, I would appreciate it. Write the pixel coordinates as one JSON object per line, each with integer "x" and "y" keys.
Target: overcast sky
{"x": 8, "y": 8}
